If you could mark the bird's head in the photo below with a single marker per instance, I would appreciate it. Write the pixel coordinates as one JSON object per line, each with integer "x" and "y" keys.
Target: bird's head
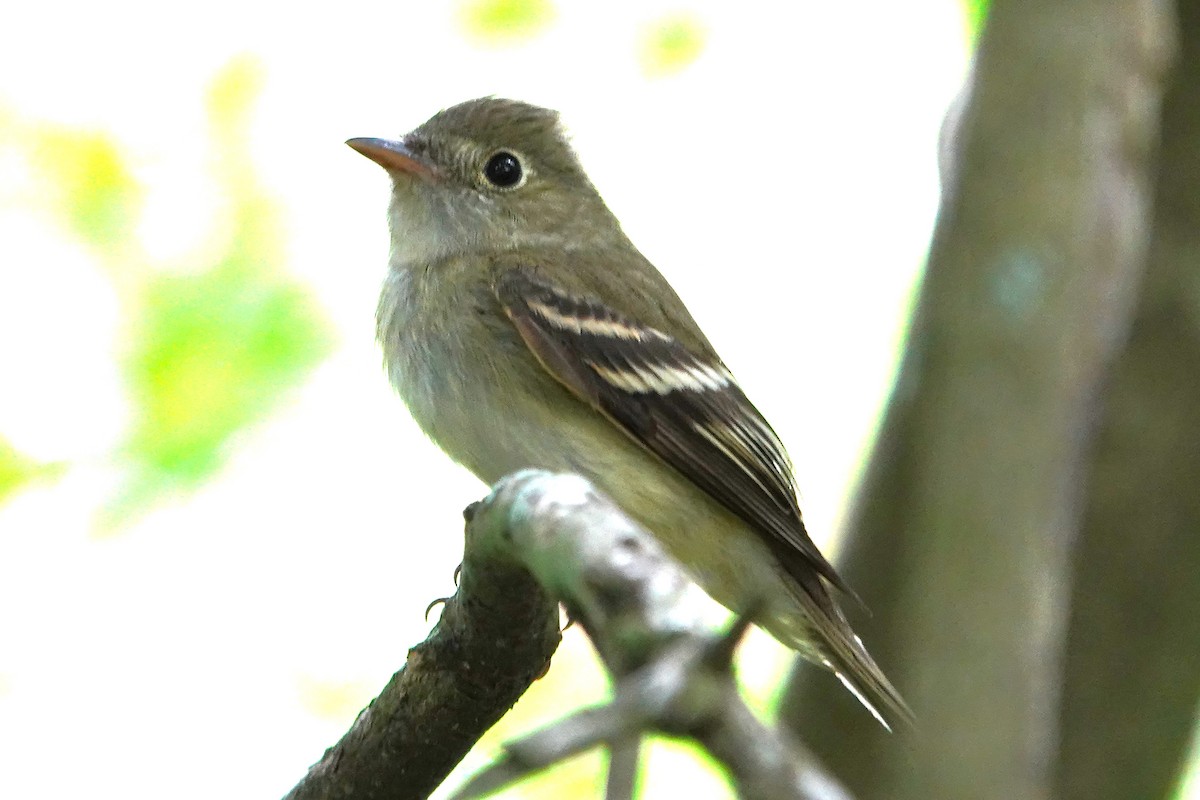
{"x": 487, "y": 175}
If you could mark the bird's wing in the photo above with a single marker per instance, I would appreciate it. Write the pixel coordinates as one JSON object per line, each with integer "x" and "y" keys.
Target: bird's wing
{"x": 683, "y": 407}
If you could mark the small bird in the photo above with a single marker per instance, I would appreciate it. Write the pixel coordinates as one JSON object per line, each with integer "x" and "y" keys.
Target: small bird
{"x": 522, "y": 328}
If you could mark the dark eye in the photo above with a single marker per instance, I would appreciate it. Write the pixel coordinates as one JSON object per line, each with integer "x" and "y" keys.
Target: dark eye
{"x": 503, "y": 170}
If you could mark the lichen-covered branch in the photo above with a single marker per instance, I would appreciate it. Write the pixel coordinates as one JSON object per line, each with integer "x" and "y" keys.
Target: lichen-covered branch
{"x": 645, "y": 616}
{"x": 537, "y": 540}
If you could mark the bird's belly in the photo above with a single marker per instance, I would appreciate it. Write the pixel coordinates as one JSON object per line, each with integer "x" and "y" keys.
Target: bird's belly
{"x": 495, "y": 431}
{"x": 476, "y": 390}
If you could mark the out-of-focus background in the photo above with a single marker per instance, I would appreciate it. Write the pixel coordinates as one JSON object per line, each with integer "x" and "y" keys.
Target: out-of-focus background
{"x": 211, "y": 504}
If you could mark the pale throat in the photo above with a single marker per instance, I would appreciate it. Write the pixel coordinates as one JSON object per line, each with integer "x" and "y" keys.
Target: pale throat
{"x": 427, "y": 229}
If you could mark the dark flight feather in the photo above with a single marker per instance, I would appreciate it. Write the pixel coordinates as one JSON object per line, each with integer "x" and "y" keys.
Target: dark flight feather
{"x": 689, "y": 411}
{"x": 685, "y": 409}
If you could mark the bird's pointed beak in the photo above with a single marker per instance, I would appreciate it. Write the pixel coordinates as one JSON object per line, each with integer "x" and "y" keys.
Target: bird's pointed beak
{"x": 394, "y": 156}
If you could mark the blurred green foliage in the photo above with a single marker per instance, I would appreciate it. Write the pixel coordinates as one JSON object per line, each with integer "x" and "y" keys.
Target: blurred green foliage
{"x": 208, "y": 351}
{"x": 92, "y": 186}
{"x": 671, "y": 44}
{"x": 214, "y": 350}
{"x": 505, "y": 21}
{"x": 1189, "y": 784}
{"x": 17, "y": 470}
{"x": 212, "y": 354}
{"x": 976, "y": 12}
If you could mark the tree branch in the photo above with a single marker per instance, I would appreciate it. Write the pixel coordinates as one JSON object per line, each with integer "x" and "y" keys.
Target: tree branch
{"x": 536, "y": 537}
{"x": 644, "y": 616}
{"x": 494, "y": 637}
{"x": 974, "y": 490}
{"x": 1133, "y": 646}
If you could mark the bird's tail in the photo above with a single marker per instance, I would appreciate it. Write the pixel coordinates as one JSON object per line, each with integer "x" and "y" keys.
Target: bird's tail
{"x": 825, "y": 637}
{"x": 859, "y": 673}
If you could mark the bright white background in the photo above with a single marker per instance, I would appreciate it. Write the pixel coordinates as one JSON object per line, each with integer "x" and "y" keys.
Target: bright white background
{"x": 785, "y": 183}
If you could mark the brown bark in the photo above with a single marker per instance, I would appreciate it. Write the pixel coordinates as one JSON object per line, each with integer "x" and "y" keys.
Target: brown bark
{"x": 974, "y": 491}
{"x": 1133, "y": 645}
{"x": 495, "y": 636}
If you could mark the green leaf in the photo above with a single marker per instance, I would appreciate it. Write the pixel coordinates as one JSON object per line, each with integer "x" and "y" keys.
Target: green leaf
{"x": 92, "y": 186}
{"x": 217, "y": 350}
{"x": 505, "y": 21}
{"x": 672, "y": 44}
{"x": 17, "y": 470}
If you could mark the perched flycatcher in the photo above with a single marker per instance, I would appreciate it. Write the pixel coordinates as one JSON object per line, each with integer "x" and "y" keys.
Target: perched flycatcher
{"x": 523, "y": 329}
